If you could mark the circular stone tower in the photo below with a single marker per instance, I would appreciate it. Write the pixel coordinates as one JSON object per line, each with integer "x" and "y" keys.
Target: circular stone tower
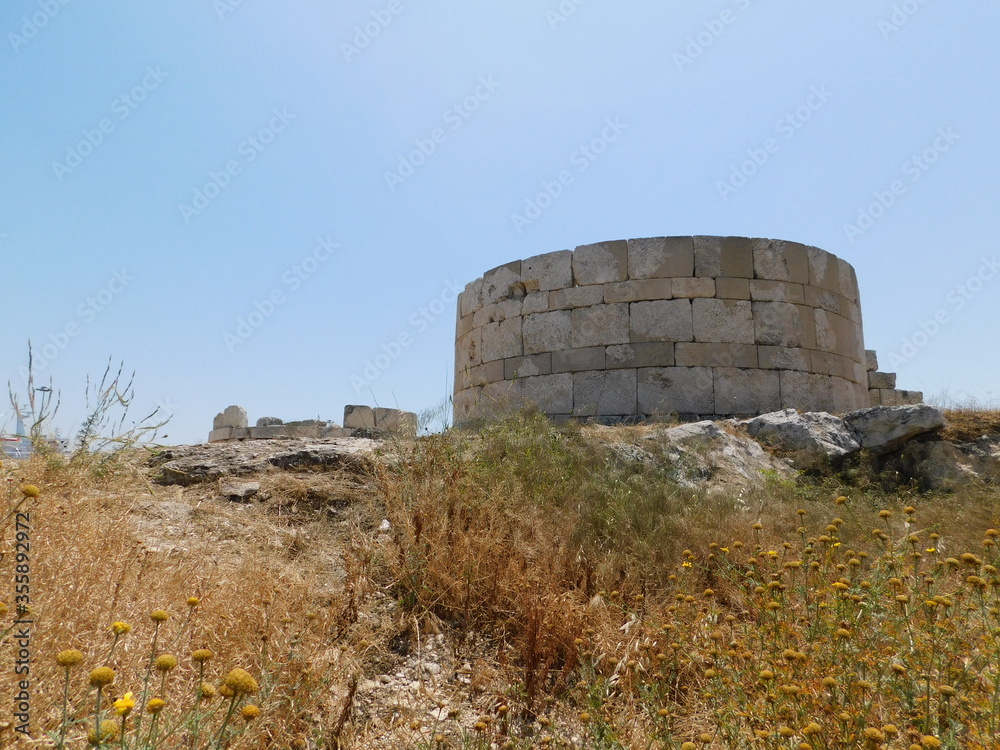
{"x": 686, "y": 326}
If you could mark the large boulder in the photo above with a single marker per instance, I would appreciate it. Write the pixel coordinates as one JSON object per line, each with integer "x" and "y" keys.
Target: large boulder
{"x": 811, "y": 432}
{"x": 702, "y": 455}
{"x": 882, "y": 429}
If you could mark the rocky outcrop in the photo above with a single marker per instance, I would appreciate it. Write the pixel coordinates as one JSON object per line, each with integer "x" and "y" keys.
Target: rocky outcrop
{"x": 812, "y": 431}
{"x": 191, "y": 464}
{"x": 882, "y": 429}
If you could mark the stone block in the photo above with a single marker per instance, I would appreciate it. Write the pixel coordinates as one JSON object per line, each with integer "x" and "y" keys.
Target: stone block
{"x": 723, "y": 320}
{"x": 463, "y": 326}
{"x": 874, "y": 397}
{"x": 502, "y": 340}
{"x": 848, "y": 281}
{"x": 661, "y": 320}
{"x": 881, "y": 379}
{"x": 268, "y": 421}
{"x": 778, "y": 260}
{"x": 783, "y": 358}
{"x": 654, "y": 354}
{"x": 858, "y": 373}
{"x": 826, "y": 363}
{"x": 909, "y": 397}
{"x": 824, "y": 272}
{"x": 496, "y": 312}
{"x": 576, "y": 296}
{"x": 600, "y": 263}
{"x": 499, "y": 283}
{"x": 471, "y": 299}
{"x": 660, "y": 257}
{"x": 806, "y": 391}
{"x": 851, "y": 311}
{"x": 501, "y": 398}
{"x": 467, "y": 352}
{"x": 550, "y": 270}
{"x": 777, "y": 291}
{"x": 692, "y": 287}
{"x": 723, "y": 256}
{"x": 888, "y": 397}
{"x": 680, "y": 390}
{"x": 637, "y": 290}
{"x": 732, "y": 288}
{"x": 816, "y": 297}
{"x": 484, "y": 374}
{"x": 535, "y": 303}
{"x": 396, "y": 421}
{"x": 334, "y": 432}
{"x": 575, "y": 360}
{"x": 233, "y": 416}
{"x": 600, "y": 325}
{"x": 612, "y": 392}
{"x": 871, "y": 359}
{"x": 522, "y": 367}
{"x": 463, "y": 405}
{"x": 553, "y": 394}
{"x": 688, "y": 354}
{"x": 784, "y": 324}
{"x": 845, "y": 396}
{"x": 745, "y": 392}
{"x": 267, "y": 432}
{"x": 356, "y": 416}
{"x": 834, "y": 333}
{"x": 220, "y": 433}
{"x": 546, "y": 332}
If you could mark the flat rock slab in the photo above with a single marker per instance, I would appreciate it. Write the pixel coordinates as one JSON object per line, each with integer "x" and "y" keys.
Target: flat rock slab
{"x": 812, "y": 431}
{"x": 191, "y": 464}
{"x": 882, "y": 429}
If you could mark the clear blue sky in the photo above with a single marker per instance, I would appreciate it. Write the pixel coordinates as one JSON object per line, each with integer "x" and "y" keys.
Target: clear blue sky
{"x": 169, "y": 170}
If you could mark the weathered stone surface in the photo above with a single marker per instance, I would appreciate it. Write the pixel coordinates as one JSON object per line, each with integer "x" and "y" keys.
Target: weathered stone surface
{"x": 654, "y": 354}
{"x": 546, "y": 332}
{"x": 471, "y": 299}
{"x": 600, "y": 263}
{"x": 577, "y": 296}
{"x": 523, "y": 367}
{"x": 723, "y": 256}
{"x": 553, "y": 394}
{"x": 941, "y": 466}
{"x": 222, "y": 433}
{"x": 268, "y": 421}
{"x": 799, "y": 388}
{"x": 746, "y": 391}
{"x": 702, "y": 455}
{"x": 396, "y": 421}
{"x": 824, "y": 299}
{"x": 233, "y": 416}
{"x": 812, "y": 431}
{"x": 823, "y": 270}
{"x": 637, "y": 290}
{"x": 191, "y": 464}
{"x": 551, "y": 270}
{"x": 784, "y": 324}
{"x": 498, "y": 284}
{"x": 660, "y": 257}
{"x": 883, "y": 428}
{"x": 723, "y": 320}
{"x": 535, "y": 302}
{"x": 680, "y": 390}
{"x": 783, "y": 358}
{"x": 576, "y": 360}
{"x": 502, "y": 340}
{"x": 661, "y": 320}
{"x": 909, "y": 397}
{"x": 496, "y": 312}
{"x": 848, "y": 281}
{"x": 871, "y": 360}
{"x": 732, "y": 288}
{"x": 693, "y": 354}
{"x": 239, "y": 492}
{"x": 600, "y": 325}
{"x": 881, "y": 379}
{"x": 600, "y": 393}
{"x": 468, "y": 350}
{"x": 359, "y": 416}
{"x": 777, "y": 291}
{"x": 779, "y": 260}
{"x": 693, "y": 287}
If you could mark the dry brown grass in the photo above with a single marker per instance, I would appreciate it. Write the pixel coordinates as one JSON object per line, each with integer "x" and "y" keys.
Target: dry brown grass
{"x": 966, "y": 425}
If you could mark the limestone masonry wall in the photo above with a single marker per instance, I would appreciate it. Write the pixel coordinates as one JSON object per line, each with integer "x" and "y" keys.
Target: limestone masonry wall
{"x": 693, "y": 326}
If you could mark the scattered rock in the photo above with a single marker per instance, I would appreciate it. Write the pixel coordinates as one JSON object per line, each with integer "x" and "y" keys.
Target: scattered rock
{"x": 703, "y": 455}
{"x": 233, "y": 416}
{"x": 240, "y": 491}
{"x": 191, "y": 464}
{"x": 268, "y": 421}
{"x": 812, "y": 431}
{"x": 882, "y": 429}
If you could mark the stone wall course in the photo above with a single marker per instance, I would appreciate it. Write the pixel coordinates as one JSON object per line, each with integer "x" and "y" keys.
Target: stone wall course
{"x": 638, "y": 290}
{"x": 550, "y": 270}
{"x": 694, "y": 354}
{"x": 600, "y": 263}
{"x": 653, "y": 354}
{"x": 675, "y": 390}
{"x": 692, "y": 287}
{"x": 723, "y": 256}
{"x": 546, "y": 332}
{"x": 608, "y": 392}
{"x": 600, "y": 325}
{"x": 576, "y": 296}
{"x": 660, "y": 257}
{"x": 661, "y": 320}
{"x": 723, "y": 321}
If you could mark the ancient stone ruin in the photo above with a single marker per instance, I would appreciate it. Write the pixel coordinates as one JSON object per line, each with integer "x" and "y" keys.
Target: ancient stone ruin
{"x": 668, "y": 326}
{"x": 359, "y": 421}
